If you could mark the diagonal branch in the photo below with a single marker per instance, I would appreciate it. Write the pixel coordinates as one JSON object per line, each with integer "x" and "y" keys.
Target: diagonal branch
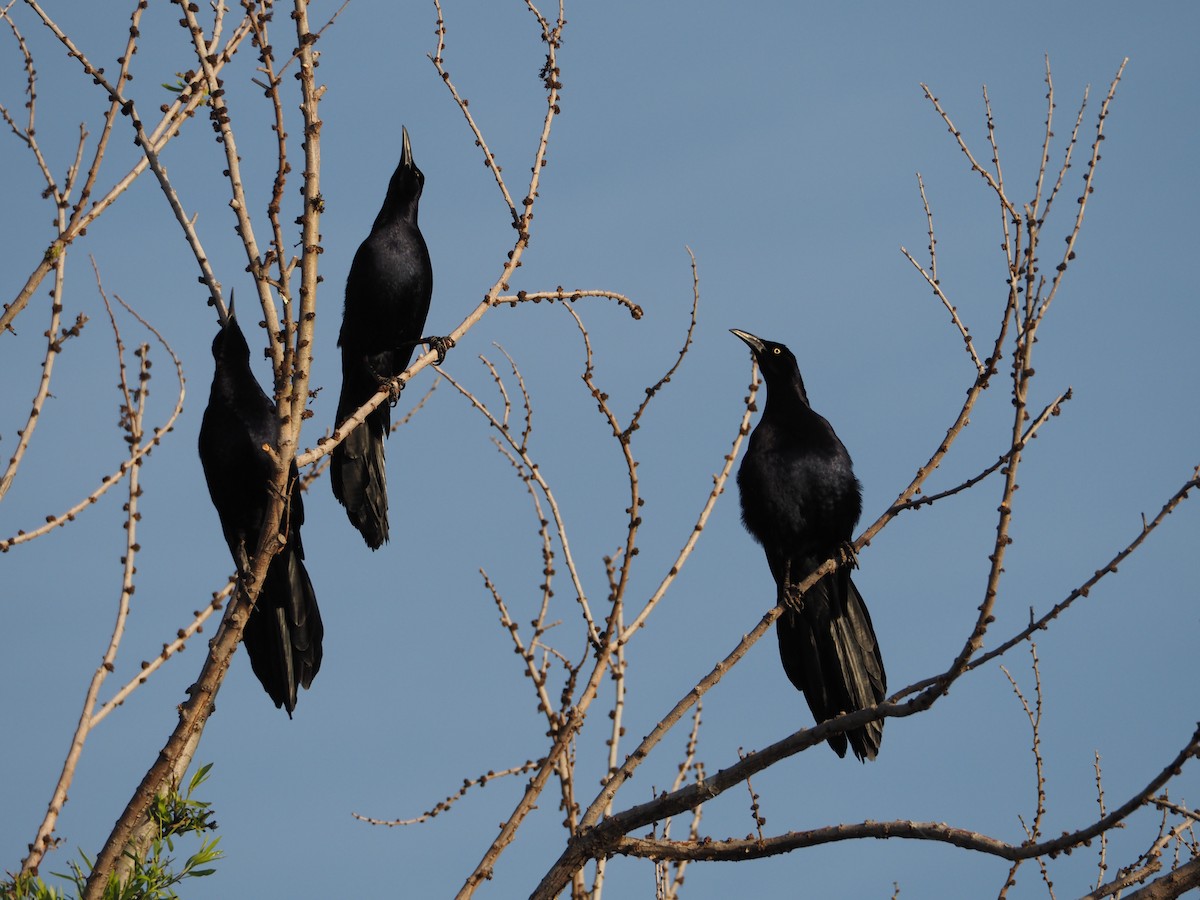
{"x": 610, "y": 836}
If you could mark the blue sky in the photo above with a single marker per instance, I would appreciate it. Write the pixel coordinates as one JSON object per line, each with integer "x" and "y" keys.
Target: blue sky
{"x": 781, "y": 144}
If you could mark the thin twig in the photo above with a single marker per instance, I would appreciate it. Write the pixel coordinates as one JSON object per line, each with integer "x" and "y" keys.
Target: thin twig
{"x": 534, "y": 473}
{"x": 1034, "y": 716}
{"x": 610, "y": 833}
{"x": 931, "y": 278}
{"x": 444, "y": 806}
{"x": 1109, "y": 568}
{"x": 54, "y": 345}
{"x": 140, "y": 450}
{"x": 133, "y": 408}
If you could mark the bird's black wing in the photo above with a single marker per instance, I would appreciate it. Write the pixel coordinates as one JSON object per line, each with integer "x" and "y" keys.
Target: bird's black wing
{"x": 830, "y": 653}
{"x": 284, "y": 634}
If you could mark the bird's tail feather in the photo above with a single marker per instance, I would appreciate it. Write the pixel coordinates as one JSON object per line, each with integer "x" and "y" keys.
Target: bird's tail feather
{"x": 830, "y": 652}
{"x": 862, "y": 669}
{"x": 359, "y": 478}
{"x": 284, "y": 633}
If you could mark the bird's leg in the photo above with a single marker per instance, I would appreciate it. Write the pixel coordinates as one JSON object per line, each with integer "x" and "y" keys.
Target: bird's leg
{"x": 440, "y": 345}
{"x": 395, "y": 386}
{"x": 846, "y": 556}
{"x": 789, "y": 597}
{"x": 242, "y": 560}
{"x": 379, "y": 367}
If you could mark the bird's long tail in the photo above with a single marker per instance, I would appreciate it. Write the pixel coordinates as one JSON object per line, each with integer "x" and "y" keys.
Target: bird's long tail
{"x": 283, "y": 635}
{"x": 830, "y": 652}
{"x": 359, "y": 481}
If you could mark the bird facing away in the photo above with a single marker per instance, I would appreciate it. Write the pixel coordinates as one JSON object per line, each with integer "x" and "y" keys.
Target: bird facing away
{"x": 283, "y": 634}
{"x": 387, "y": 300}
{"x": 801, "y": 501}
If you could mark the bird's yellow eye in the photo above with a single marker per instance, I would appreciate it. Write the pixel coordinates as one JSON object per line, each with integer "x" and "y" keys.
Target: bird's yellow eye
{"x": 776, "y": 351}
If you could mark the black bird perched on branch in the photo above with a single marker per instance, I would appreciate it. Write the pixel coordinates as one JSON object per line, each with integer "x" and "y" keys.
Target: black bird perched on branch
{"x": 801, "y": 501}
{"x": 283, "y": 634}
{"x": 387, "y": 300}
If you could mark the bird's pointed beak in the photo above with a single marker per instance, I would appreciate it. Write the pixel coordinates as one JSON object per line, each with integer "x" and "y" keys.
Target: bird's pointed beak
{"x": 230, "y": 316}
{"x": 406, "y": 159}
{"x": 755, "y": 343}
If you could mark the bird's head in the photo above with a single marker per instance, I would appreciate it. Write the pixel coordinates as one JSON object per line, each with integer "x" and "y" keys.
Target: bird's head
{"x": 229, "y": 344}
{"x": 777, "y": 362}
{"x": 771, "y": 357}
{"x": 407, "y": 181}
